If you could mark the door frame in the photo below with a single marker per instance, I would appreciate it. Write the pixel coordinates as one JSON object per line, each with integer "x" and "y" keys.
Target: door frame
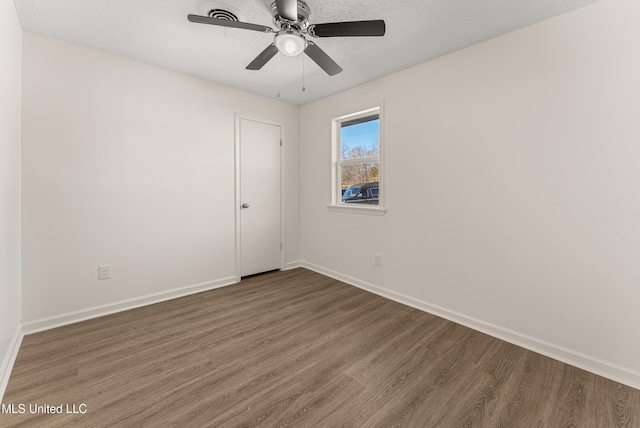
{"x": 238, "y": 223}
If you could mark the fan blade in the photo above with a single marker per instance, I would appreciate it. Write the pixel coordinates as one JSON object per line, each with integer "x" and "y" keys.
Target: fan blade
{"x": 288, "y": 9}
{"x": 348, "y": 29}
{"x": 263, "y": 57}
{"x": 322, "y": 59}
{"x": 226, "y": 23}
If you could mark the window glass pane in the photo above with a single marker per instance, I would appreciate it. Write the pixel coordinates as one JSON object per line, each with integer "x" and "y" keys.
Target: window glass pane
{"x": 360, "y": 138}
{"x": 359, "y": 183}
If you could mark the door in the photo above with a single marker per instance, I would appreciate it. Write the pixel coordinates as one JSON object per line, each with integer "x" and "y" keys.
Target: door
{"x": 259, "y": 197}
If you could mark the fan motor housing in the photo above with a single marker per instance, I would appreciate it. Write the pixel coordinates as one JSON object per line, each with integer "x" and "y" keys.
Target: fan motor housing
{"x": 303, "y": 17}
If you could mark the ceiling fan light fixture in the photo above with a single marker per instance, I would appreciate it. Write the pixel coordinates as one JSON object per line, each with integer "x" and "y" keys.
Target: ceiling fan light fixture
{"x": 290, "y": 42}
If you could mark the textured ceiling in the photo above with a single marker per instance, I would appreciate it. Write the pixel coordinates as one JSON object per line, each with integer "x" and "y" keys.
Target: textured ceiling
{"x": 157, "y": 32}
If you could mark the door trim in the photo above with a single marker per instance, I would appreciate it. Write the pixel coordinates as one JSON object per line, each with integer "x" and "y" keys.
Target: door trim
{"x": 238, "y": 225}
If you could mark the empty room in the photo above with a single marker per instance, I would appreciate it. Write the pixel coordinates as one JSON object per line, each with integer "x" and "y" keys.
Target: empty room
{"x": 320, "y": 213}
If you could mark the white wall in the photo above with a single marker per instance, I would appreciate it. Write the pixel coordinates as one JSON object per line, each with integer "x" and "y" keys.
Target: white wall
{"x": 512, "y": 178}
{"x": 133, "y": 166}
{"x": 10, "y": 65}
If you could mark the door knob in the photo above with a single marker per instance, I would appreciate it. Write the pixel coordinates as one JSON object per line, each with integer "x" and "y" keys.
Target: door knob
{"x": 245, "y": 205}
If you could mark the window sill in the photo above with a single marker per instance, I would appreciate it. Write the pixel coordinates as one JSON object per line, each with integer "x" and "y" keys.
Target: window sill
{"x": 356, "y": 210}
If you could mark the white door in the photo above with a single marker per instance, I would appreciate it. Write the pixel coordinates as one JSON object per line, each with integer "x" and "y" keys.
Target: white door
{"x": 259, "y": 197}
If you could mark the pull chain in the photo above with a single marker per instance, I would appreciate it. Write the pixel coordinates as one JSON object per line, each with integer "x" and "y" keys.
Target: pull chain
{"x": 279, "y": 76}
{"x": 303, "y": 88}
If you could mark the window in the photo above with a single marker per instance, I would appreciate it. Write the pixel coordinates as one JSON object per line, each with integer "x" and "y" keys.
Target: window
{"x": 357, "y": 167}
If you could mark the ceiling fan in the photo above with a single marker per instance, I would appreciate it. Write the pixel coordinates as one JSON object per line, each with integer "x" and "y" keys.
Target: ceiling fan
{"x": 291, "y": 19}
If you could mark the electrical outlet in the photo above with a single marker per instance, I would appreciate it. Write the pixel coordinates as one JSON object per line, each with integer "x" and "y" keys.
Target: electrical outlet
{"x": 377, "y": 259}
{"x": 104, "y": 272}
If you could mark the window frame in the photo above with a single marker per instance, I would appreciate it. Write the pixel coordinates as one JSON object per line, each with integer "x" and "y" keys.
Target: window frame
{"x": 336, "y": 162}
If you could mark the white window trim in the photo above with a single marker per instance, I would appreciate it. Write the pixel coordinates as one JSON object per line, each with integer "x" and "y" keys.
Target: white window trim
{"x": 336, "y": 204}
{"x": 346, "y": 208}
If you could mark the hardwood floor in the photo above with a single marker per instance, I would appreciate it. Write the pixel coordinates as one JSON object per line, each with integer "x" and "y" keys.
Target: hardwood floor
{"x": 298, "y": 349}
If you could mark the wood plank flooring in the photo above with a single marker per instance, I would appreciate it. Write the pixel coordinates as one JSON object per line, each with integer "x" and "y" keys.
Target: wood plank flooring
{"x": 298, "y": 349}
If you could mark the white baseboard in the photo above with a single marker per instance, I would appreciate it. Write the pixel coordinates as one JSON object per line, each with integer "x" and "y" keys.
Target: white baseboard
{"x": 9, "y": 360}
{"x": 589, "y": 363}
{"x": 292, "y": 265}
{"x": 123, "y": 305}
